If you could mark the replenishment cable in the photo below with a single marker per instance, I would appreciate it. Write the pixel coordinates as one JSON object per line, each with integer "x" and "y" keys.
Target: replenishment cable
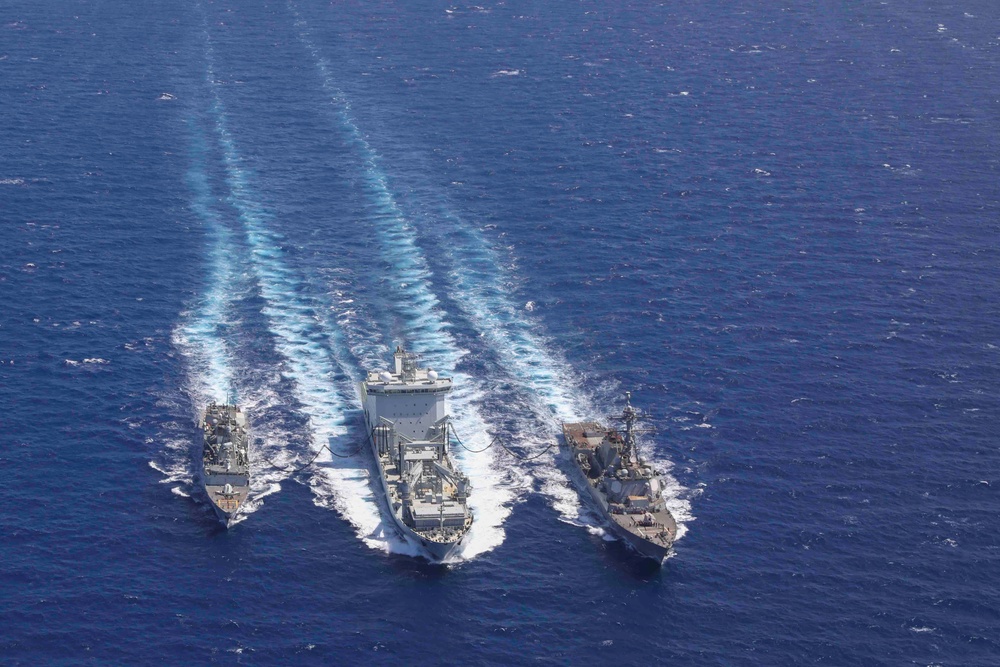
{"x": 497, "y": 441}
{"x": 295, "y": 471}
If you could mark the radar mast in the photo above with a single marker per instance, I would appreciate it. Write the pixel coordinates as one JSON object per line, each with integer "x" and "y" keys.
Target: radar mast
{"x": 629, "y": 415}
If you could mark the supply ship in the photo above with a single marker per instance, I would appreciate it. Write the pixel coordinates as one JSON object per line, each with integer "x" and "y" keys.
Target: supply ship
{"x": 409, "y": 430}
{"x": 627, "y": 492}
{"x": 225, "y": 459}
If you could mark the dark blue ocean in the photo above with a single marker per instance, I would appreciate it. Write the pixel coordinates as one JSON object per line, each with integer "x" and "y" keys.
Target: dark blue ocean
{"x": 777, "y": 224}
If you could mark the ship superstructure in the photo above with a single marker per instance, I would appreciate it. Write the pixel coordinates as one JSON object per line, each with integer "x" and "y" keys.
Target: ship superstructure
{"x": 406, "y": 416}
{"x": 226, "y": 459}
{"x": 625, "y": 489}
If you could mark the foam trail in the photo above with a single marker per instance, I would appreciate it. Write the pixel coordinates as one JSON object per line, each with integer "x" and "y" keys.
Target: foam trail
{"x": 296, "y": 323}
{"x": 207, "y": 358}
{"x": 201, "y": 340}
{"x": 420, "y": 308}
{"x": 198, "y": 337}
{"x": 428, "y": 332}
{"x": 480, "y": 289}
{"x": 548, "y": 382}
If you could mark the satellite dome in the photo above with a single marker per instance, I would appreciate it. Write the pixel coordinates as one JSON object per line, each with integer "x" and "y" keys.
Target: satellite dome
{"x": 385, "y": 376}
{"x": 432, "y": 375}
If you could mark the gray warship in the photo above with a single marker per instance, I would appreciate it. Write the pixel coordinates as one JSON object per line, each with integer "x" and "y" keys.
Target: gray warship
{"x": 409, "y": 432}
{"x": 225, "y": 469}
{"x": 626, "y": 491}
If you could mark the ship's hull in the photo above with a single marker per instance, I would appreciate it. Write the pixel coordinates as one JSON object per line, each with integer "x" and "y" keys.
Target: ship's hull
{"x": 437, "y": 551}
{"x": 222, "y": 515}
{"x": 647, "y": 548}
{"x": 644, "y": 547}
{"x": 225, "y": 506}
{"x": 226, "y": 484}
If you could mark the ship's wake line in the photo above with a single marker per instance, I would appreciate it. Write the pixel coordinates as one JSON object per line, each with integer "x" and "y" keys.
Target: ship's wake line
{"x": 428, "y": 335}
{"x": 421, "y": 310}
{"x": 480, "y": 289}
{"x": 546, "y": 382}
{"x": 305, "y": 341}
{"x": 199, "y": 334}
{"x": 207, "y": 357}
{"x": 205, "y": 338}
{"x": 415, "y": 304}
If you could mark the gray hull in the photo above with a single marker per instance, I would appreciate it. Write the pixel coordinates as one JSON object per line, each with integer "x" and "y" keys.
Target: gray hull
{"x": 226, "y": 510}
{"x": 225, "y": 460}
{"x": 642, "y": 546}
{"x": 438, "y": 551}
{"x": 222, "y": 515}
{"x": 409, "y": 430}
{"x": 231, "y": 510}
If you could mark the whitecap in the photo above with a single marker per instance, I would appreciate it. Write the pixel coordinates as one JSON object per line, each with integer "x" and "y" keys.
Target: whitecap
{"x": 311, "y": 354}
{"x": 541, "y": 375}
{"x": 427, "y": 333}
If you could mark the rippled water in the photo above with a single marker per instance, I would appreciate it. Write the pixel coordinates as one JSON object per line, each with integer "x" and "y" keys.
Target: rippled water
{"x": 776, "y": 225}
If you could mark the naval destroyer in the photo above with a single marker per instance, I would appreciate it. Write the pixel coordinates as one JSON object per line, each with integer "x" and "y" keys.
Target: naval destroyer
{"x": 408, "y": 429}
{"x": 626, "y": 491}
{"x": 225, "y": 469}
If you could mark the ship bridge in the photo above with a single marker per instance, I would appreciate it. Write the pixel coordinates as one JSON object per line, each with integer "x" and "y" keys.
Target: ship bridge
{"x": 411, "y": 398}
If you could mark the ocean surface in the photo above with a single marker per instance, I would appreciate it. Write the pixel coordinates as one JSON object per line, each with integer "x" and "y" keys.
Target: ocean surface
{"x": 777, "y": 224}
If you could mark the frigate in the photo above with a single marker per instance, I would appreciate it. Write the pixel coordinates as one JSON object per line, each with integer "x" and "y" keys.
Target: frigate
{"x": 409, "y": 431}
{"x": 625, "y": 489}
{"x": 225, "y": 469}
